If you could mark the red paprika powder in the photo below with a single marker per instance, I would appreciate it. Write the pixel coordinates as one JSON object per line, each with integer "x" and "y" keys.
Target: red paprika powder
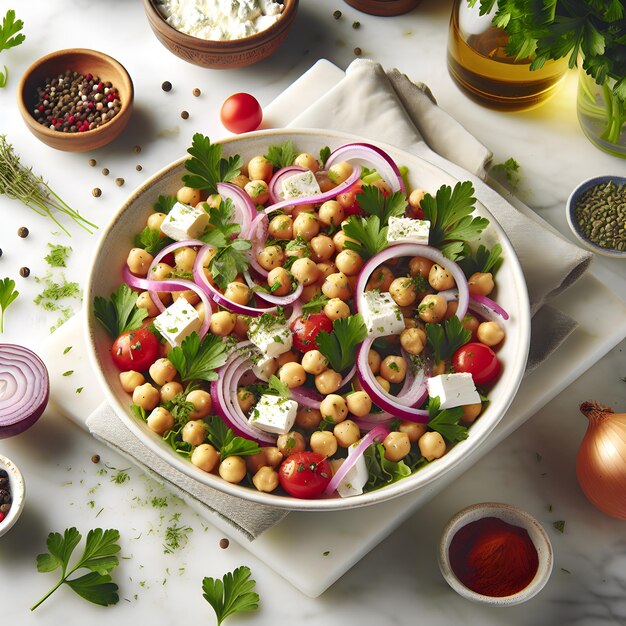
{"x": 493, "y": 558}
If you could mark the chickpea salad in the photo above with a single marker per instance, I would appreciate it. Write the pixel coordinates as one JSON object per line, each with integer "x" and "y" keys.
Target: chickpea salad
{"x": 307, "y": 324}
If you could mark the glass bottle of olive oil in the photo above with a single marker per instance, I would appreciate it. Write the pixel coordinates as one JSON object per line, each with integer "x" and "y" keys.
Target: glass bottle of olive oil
{"x": 478, "y": 63}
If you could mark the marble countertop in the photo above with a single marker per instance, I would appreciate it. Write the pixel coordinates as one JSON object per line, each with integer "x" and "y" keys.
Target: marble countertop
{"x": 398, "y": 582}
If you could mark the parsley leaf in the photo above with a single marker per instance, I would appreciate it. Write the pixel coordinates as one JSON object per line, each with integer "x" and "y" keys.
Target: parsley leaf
{"x": 450, "y": 216}
{"x": 369, "y": 237}
{"x": 340, "y": 345}
{"x": 120, "y": 313}
{"x": 164, "y": 204}
{"x": 382, "y": 471}
{"x": 151, "y": 241}
{"x": 98, "y": 557}
{"x": 229, "y": 261}
{"x": 315, "y": 304}
{"x": 374, "y": 202}
{"x": 225, "y": 440}
{"x": 199, "y": 359}
{"x": 221, "y": 228}
{"x": 282, "y": 155}
{"x": 446, "y": 422}
{"x": 445, "y": 339}
{"x": 233, "y": 594}
{"x": 277, "y": 387}
{"x": 324, "y": 154}
{"x": 206, "y": 165}
{"x": 9, "y": 37}
{"x": 483, "y": 260}
{"x": 510, "y": 168}
{"x": 8, "y": 294}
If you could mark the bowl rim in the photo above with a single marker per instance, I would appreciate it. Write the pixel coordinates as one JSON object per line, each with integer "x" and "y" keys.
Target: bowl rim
{"x": 250, "y": 41}
{"x": 18, "y": 494}
{"x": 285, "y": 502}
{"x": 573, "y": 224}
{"x": 513, "y": 515}
{"x": 88, "y": 52}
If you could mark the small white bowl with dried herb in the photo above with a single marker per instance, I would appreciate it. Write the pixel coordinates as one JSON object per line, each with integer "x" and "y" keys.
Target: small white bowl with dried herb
{"x": 596, "y": 213}
{"x": 12, "y": 494}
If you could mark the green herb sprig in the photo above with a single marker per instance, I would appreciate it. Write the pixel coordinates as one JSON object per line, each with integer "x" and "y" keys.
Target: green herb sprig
{"x": 367, "y": 237}
{"x": 282, "y": 155}
{"x": 374, "y": 202}
{"x": 446, "y": 422}
{"x": 340, "y": 345}
{"x": 8, "y": 294}
{"x": 9, "y": 38}
{"x": 234, "y": 593}
{"x": 206, "y": 166}
{"x": 119, "y": 313}
{"x": 445, "y": 339}
{"x": 195, "y": 359}
{"x": 481, "y": 260}
{"x": 225, "y": 440}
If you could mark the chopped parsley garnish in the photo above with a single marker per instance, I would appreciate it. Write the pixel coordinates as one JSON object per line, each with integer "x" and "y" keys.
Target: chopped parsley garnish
{"x": 374, "y": 202}
{"x": 199, "y": 359}
{"x": 282, "y": 155}
{"x": 164, "y": 204}
{"x": 225, "y": 440}
{"x": 8, "y": 294}
{"x": 58, "y": 255}
{"x": 368, "y": 235}
{"x": 510, "y": 168}
{"x": 315, "y": 304}
{"x": 559, "y": 525}
{"x": 340, "y": 345}
{"x": 119, "y": 313}
{"x": 446, "y": 422}
{"x": 176, "y": 536}
{"x": 446, "y": 338}
{"x": 233, "y": 594}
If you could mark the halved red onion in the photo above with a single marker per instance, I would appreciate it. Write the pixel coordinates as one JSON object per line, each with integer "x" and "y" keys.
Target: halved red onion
{"x": 245, "y": 210}
{"x": 372, "y": 155}
{"x": 378, "y": 432}
{"x": 24, "y": 389}
{"x": 305, "y": 396}
{"x": 290, "y": 298}
{"x": 414, "y": 389}
{"x": 276, "y": 182}
{"x": 257, "y": 234}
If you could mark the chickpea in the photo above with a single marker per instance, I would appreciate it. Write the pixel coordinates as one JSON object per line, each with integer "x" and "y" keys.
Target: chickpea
{"x": 292, "y": 374}
{"x": 308, "y": 161}
{"x": 194, "y": 432}
{"x": 331, "y": 212}
{"x": 155, "y": 220}
{"x": 139, "y": 261}
{"x": 340, "y": 172}
{"x": 326, "y": 268}
{"x": 162, "y": 371}
{"x": 339, "y": 239}
{"x": 306, "y": 225}
{"x": 337, "y": 286}
{"x": 240, "y": 181}
{"x": 359, "y": 403}
{"x": 402, "y": 290}
{"x": 130, "y": 380}
{"x": 439, "y": 278}
{"x": 266, "y": 368}
{"x": 273, "y": 456}
{"x": 185, "y": 258}
{"x": 413, "y": 430}
{"x": 346, "y": 433}
{"x": 385, "y": 384}
{"x": 254, "y": 462}
{"x": 245, "y": 399}
{"x": 328, "y": 381}
{"x": 333, "y": 407}
{"x": 233, "y": 469}
{"x": 290, "y": 442}
{"x": 213, "y": 201}
{"x": 287, "y": 357}
{"x": 322, "y": 248}
{"x": 393, "y": 368}
{"x": 202, "y": 403}
{"x": 419, "y": 266}
{"x": 481, "y": 283}
{"x": 336, "y": 309}
{"x": 431, "y": 445}
{"x": 160, "y": 421}
{"x": 490, "y": 333}
{"x": 258, "y": 191}
{"x": 146, "y": 396}
{"x": 381, "y": 279}
{"x": 281, "y": 227}
{"x": 300, "y": 208}
{"x": 310, "y": 292}
{"x": 170, "y": 390}
{"x": 259, "y": 168}
{"x": 397, "y": 446}
{"x": 144, "y": 301}
{"x": 237, "y": 292}
{"x": 271, "y": 257}
{"x": 187, "y": 195}
{"x": 323, "y": 442}
{"x": 161, "y": 271}
{"x": 266, "y": 479}
{"x": 188, "y": 294}
{"x": 200, "y": 309}
{"x": 305, "y": 271}
{"x": 308, "y": 418}
{"x": 471, "y": 323}
{"x": 205, "y": 457}
{"x": 432, "y": 308}
{"x": 471, "y": 412}
{"x": 374, "y": 360}
{"x": 241, "y": 326}
{"x": 222, "y": 323}
{"x": 314, "y": 362}
{"x": 349, "y": 262}
{"x": 439, "y": 368}
{"x": 413, "y": 340}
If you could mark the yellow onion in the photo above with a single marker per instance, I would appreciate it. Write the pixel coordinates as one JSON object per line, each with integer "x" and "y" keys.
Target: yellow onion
{"x": 601, "y": 460}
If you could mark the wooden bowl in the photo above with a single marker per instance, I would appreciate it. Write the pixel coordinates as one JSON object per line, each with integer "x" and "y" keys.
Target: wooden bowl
{"x": 222, "y": 54}
{"x": 83, "y": 61}
{"x": 384, "y": 8}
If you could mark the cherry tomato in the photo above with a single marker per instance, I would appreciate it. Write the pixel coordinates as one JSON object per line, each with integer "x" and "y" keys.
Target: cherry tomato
{"x": 305, "y": 474}
{"x": 241, "y": 113}
{"x": 305, "y": 330}
{"x": 478, "y": 360}
{"x": 135, "y": 350}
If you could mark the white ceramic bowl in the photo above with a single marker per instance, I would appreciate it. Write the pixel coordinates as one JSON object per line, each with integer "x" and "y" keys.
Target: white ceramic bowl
{"x": 106, "y": 275}
{"x": 511, "y": 515}
{"x": 18, "y": 493}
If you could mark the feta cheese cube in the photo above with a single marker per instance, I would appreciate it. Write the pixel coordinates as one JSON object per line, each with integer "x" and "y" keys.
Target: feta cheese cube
{"x": 408, "y": 230}
{"x": 382, "y": 316}
{"x": 271, "y": 339}
{"x": 177, "y": 322}
{"x": 301, "y": 184}
{"x": 356, "y": 478}
{"x": 259, "y": 365}
{"x": 185, "y": 222}
{"x": 453, "y": 390}
{"x": 273, "y": 414}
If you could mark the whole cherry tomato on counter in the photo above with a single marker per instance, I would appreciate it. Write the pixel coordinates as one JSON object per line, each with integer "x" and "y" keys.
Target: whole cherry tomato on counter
{"x": 305, "y": 474}
{"x": 305, "y": 330}
{"x": 135, "y": 350}
{"x": 241, "y": 113}
{"x": 478, "y": 360}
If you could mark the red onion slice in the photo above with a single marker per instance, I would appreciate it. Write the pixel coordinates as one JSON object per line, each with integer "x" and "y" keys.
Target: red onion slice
{"x": 306, "y": 397}
{"x": 245, "y": 211}
{"x": 488, "y": 307}
{"x": 258, "y": 236}
{"x": 365, "y": 426}
{"x": 290, "y": 298}
{"x": 24, "y": 389}
{"x": 414, "y": 389}
{"x": 276, "y": 182}
{"x": 348, "y": 377}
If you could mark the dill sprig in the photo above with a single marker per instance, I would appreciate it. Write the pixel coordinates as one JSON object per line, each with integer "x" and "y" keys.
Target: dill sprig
{"x": 19, "y": 182}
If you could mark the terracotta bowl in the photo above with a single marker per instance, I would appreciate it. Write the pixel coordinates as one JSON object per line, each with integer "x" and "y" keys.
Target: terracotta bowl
{"x": 224, "y": 54}
{"x": 83, "y": 61}
{"x": 384, "y": 8}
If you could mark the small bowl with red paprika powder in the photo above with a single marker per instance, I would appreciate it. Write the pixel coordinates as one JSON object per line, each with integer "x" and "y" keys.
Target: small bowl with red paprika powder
{"x": 495, "y": 554}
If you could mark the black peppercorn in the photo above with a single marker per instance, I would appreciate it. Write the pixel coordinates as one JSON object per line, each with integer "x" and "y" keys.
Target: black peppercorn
{"x": 22, "y": 232}
{"x": 5, "y": 496}
{"x": 184, "y": 114}
{"x": 105, "y": 171}
{"x": 196, "y": 92}
{"x": 138, "y": 168}
{"x": 119, "y": 182}
{"x": 95, "y": 458}
{"x": 166, "y": 86}
{"x": 92, "y": 162}
{"x": 337, "y": 14}
{"x": 24, "y": 272}
{"x": 96, "y": 192}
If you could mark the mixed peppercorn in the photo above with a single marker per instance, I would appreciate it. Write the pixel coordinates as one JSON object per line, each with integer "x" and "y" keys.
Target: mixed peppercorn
{"x": 5, "y": 494}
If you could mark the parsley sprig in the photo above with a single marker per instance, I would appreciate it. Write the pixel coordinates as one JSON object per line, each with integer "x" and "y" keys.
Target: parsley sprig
{"x": 445, "y": 339}
{"x": 119, "y": 313}
{"x": 340, "y": 345}
{"x": 206, "y": 165}
{"x": 481, "y": 260}
{"x": 199, "y": 359}
{"x": 225, "y": 440}
{"x": 277, "y": 387}
{"x": 9, "y": 38}
{"x": 98, "y": 557}
{"x": 164, "y": 204}
{"x": 374, "y": 202}
{"x": 234, "y": 593}
{"x": 151, "y": 241}
{"x": 369, "y": 237}
{"x": 446, "y": 422}
{"x": 282, "y": 155}
{"x": 8, "y": 294}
